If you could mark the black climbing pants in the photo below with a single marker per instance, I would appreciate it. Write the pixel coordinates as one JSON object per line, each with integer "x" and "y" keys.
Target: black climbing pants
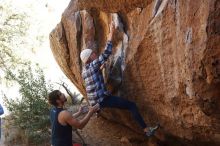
{"x": 121, "y": 103}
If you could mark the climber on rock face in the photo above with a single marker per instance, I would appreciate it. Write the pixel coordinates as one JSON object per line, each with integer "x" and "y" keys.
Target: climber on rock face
{"x": 62, "y": 120}
{"x": 95, "y": 87}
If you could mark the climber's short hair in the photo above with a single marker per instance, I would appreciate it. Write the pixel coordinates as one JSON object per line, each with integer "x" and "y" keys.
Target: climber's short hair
{"x": 53, "y": 96}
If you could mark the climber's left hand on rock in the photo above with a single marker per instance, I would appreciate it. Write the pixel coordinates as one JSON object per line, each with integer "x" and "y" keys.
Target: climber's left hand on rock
{"x": 102, "y": 66}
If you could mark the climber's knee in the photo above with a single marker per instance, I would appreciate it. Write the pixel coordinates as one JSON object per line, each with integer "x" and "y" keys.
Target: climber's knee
{"x": 132, "y": 105}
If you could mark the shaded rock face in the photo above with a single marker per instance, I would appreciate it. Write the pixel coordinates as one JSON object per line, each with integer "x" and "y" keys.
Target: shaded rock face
{"x": 166, "y": 58}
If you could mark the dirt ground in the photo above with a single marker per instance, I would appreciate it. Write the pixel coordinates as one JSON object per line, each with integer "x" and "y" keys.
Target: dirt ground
{"x": 98, "y": 132}
{"x": 101, "y": 132}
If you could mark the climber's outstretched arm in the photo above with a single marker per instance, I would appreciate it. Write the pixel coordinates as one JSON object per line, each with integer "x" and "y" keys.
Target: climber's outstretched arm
{"x": 107, "y": 51}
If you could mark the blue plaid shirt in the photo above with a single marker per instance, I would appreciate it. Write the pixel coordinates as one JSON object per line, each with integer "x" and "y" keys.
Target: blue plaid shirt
{"x": 92, "y": 75}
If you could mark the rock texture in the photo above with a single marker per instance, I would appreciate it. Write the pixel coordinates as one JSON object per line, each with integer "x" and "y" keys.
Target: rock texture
{"x": 166, "y": 58}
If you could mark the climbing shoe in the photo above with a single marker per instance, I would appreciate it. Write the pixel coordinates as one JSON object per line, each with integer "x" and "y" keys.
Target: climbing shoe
{"x": 151, "y": 130}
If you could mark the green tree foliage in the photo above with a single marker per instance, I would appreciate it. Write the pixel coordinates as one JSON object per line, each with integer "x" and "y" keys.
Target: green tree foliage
{"x": 30, "y": 112}
{"x": 13, "y": 28}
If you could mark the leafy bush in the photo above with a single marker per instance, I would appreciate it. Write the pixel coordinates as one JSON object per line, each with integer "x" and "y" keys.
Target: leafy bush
{"x": 31, "y": 111}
